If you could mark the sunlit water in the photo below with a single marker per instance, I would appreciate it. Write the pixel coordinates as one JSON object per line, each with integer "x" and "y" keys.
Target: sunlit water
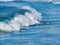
{"x": 45, "y": 33}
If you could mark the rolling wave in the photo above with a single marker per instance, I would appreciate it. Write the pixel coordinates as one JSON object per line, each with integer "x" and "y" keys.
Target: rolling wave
{"x": 56, "y": 2}
{"x": 19, "y": 21}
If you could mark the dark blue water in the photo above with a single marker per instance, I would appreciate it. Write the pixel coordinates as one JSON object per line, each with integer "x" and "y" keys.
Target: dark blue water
{"x": 47, "y": 33}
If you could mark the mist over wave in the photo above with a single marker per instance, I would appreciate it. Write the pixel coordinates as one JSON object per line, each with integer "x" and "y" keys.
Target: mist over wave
{"x": 19, "y": 21}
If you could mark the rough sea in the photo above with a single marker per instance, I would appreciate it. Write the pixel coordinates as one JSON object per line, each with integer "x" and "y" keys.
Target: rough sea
{"x": 29, "y": 23}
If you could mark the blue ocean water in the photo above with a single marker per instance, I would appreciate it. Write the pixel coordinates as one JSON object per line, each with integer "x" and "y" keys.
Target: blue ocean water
{"x": 47, "y": 33}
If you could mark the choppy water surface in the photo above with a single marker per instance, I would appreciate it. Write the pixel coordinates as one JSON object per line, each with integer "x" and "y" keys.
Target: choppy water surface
{"x": 45, "y": 33}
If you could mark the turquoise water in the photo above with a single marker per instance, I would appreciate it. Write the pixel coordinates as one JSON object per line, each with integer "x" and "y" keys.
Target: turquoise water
{"x": 47, "y": 33}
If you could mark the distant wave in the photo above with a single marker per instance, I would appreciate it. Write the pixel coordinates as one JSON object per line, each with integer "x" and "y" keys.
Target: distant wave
{"x": 19, "y": 21}
{"x": 56, "y": 2}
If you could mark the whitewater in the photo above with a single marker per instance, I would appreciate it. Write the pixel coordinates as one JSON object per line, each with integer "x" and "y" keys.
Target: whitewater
{"x": 20, "y": 21}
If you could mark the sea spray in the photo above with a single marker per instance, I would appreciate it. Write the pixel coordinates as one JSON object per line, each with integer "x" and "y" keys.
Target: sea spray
{"x": 19, "y": 20}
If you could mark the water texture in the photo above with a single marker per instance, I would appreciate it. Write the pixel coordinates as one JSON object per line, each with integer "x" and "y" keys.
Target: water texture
{"x": 47, "y": 32}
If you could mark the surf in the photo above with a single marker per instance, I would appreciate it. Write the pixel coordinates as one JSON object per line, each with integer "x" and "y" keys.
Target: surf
{"x": 31, "y": 17}
{"x": 56, "y": 2}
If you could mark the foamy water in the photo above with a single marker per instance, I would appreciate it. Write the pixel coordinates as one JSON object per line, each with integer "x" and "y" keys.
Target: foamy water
{"x": 20, "y": 20}
{"x": 56, "y": 2}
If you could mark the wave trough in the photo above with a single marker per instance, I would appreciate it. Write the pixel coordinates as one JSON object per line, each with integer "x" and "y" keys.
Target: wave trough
{"x": 20, "y": 21}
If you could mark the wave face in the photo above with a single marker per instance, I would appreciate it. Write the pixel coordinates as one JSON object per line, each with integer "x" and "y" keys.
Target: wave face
{"x": 30, "y": 17}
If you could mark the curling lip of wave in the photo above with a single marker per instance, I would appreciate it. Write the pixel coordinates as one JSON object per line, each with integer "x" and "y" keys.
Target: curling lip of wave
{"x": 20, "y": 21}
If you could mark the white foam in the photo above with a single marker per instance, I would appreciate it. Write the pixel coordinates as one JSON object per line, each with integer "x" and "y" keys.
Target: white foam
{"x": 56, "y": 2}
{"x": 20, "y": 21}
{"x": 38, "y": 0}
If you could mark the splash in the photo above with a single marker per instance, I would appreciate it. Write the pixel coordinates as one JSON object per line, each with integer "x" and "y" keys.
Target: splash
{"x": 20, "y": 21}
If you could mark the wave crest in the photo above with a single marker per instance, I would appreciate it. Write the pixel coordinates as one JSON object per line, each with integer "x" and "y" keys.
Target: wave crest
{"x": 19, "y": 20}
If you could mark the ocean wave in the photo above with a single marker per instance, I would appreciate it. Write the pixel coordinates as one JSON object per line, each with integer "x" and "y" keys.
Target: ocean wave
{"x": 31, "y": 17}
{"x": 56, "y": 2}
{"x": 28, "y": 0}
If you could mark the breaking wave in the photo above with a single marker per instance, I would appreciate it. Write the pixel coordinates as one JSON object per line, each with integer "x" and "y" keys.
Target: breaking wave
{"x": 30, "y": 17}
{"x": 56, "y": 2}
